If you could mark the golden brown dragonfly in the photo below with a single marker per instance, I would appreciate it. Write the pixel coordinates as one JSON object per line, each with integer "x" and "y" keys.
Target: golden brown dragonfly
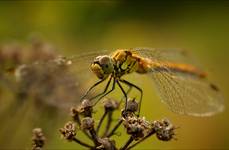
{"x": 180, "y": 82}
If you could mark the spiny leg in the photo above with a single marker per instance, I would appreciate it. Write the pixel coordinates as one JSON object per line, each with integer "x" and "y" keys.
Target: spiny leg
{"x": 123, "y": 91}
{"x": 128, "y": 91}
{"x": 105, "y": 89}
{"x": 113, "y": 87}
{"x": 138, "y": 88}
{"x": 92, "y": 87}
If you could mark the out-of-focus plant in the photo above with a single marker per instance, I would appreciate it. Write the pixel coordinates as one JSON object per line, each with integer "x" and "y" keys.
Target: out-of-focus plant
{"x": 35, "y": 85}
{"x": 36, "y": 71}
{"x": 38, "y": 139}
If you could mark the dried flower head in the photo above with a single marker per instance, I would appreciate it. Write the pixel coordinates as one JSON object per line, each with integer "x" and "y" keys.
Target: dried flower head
{"x": 38, "y": 139}
{"x": 69, "y": 131}
{"x": 75, "y": 114}
{"x": 136, "y": 126}
{"x": 164, "y": 130}
{"x": 87, "y": 123}
{"x": 110, "y": 105}
{"x": 132, "y": 105}
{"x": 85, "y": 108}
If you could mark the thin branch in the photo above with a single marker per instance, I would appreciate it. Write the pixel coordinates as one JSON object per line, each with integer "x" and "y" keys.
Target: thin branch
{"x": 101, "y": 121}
{"x": 87, "y": 134}
{"x": 76, "y": 118}
{"x": 94, "y": 137}
{"x": 108, "y": 125}
{"x": 127, "y": 143}
{"x": 82, "y": 143}
{"x": 148, "y": 135}
{"x": 115, "y": 128}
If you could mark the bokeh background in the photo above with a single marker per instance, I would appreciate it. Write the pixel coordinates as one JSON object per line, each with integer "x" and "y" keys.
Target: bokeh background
{"x": 74, "y": 27}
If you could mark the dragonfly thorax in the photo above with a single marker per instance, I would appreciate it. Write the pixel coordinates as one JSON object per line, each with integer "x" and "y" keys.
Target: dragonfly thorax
{"x": 124, "y": 62}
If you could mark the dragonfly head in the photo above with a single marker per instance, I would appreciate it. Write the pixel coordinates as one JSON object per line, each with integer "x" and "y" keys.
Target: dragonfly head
{"x": 102, "y": 66}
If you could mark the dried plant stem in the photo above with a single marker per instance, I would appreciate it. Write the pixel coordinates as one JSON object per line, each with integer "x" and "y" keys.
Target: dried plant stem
{"x": 76, "y": 118}
{"x": 108, "y": 125}
{"x": 127, "y": 143}
{"x": 94, "y": 137}
{"x": 82, "y": 143}
{"x": 101, "y": 121}
{"x": 115, "y": 128}
{"x": 87, "y": 134}
{"x": 148, "y": 135}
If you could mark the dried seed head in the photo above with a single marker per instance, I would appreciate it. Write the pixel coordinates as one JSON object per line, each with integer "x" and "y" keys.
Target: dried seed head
{"x": 75, "y": 114}
{"x": 62, "y": 61}
{"x": 110, "y": 105}
{"x": 69, "y": 131}
{"x": 87, "y": 123}
{"x": 136, "y": 126}
{"x": 85, "y": 108}
{"x": 132, "y": 105}
{"x": 38, "y": 139}
{"x": 106, "y": 144}
{"x": 86, "y": 103}
{"x": 164, "y": 130}
{"x": 125, "y": 113}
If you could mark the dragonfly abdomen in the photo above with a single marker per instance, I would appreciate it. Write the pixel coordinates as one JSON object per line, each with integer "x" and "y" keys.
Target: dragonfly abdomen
{"x": 178, "y": 67}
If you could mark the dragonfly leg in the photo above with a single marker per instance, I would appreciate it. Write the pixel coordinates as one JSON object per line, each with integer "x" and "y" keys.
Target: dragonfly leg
{"x": 138, "y": 88}
{"x": 104, "y": 91}
{"x": 104, "y": 94}
{"x": 125, "y": 94}
{"x": 91, "y": 88}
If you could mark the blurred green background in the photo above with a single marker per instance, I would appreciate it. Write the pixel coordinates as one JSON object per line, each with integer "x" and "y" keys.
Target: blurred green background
{"x": 75, "y": 27}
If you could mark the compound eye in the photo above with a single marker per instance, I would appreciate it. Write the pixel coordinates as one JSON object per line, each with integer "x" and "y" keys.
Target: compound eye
{"x": 106, "y": 63}
{"x": 104, "y": 60}
{"x": 97, "y": 59}
{"x": 106, "y": 66}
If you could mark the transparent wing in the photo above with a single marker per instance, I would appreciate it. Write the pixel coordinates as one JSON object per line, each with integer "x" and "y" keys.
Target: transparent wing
{"x": 167, "y": 55}
{"x": 59, "y": 82}
{"x": 182, "y": 92}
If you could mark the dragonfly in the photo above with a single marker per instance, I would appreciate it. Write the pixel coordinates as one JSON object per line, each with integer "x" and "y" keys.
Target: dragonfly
{"x": 178, "y": 79}
{"x": 181, "y": 84}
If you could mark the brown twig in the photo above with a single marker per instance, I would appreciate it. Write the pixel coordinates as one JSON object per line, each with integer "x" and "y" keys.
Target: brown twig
{"x": 82, "y": 143}
{"x": 115, "y": 128}
{"x": 101, "y": 121}
{"x": 87, "y": 134}
{"x": 108, "y": 125}
{"x": 128, "y": 142}
{"x": 94, "y": 137}
{"x": 141, "y": 140}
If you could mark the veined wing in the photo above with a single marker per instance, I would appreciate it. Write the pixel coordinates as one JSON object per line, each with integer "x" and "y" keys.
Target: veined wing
{"x": 59, "y": 82}
{"x": 182, "y": 91}
{"x": 167, "y": 55}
